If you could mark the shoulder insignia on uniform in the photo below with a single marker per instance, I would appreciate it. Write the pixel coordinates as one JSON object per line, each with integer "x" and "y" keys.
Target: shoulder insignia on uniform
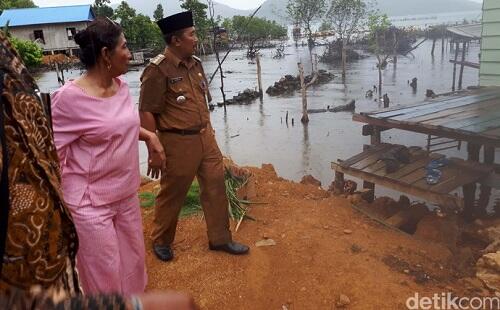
{"x": 158, "y": 59}
{"x": 196, "y": 58}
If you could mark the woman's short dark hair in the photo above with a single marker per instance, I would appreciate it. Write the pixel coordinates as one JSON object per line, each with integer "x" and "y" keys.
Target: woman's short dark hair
{"x": 102, "y": 32}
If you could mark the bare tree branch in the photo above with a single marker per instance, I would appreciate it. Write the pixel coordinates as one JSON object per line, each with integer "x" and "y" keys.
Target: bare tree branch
{"x": 231, "y": 48}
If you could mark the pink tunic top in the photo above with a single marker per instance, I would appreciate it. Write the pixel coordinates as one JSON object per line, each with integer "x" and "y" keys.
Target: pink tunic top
{"x": 97, "y": 144}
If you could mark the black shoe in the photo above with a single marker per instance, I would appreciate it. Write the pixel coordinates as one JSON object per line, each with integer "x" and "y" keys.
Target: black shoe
{"x": 232, "y": 247}
{"x": 163, "y": 252}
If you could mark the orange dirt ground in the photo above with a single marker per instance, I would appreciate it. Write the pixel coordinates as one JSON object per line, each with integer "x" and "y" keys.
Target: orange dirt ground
{"x": 323, "y": 249}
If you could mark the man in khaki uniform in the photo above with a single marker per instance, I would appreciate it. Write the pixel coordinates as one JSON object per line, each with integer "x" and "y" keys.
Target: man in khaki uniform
{"x": 173, "y": 103}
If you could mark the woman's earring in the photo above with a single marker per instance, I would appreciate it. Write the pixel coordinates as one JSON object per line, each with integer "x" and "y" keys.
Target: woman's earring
{"x": 109, "y": 67}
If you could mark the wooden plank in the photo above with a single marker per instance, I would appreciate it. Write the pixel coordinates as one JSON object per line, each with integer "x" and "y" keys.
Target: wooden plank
{"x": 415, "y": 176}
{"x": 405, "y": 170}
{"x": 456, "y": 111}
{"x": 466, "y": 63}
{"x": 480, "y": 117}
{"x": 451, "y": 179}
{"x": 415, "y": 156}
{"x": 368, "y": 130}
{"x": 375, "y": 167}
{"x": 461, "y": 112}
{"x": 372, "y": 159}
{"x": 492, "y": 180}
{"x": 442, "y": 97}
{"x": 447, "y": 96}
{"x": 472, "y": 120}
{"x": 457, "y": 173}
{"x": 439, "y": 105}
{"x": 492, "y": 132}
{"x": 413, "y": 166}
{"x": 449, "y": 118}
{"x": 483, "y": 126}
{"x": 431, "y": 130}
{"x": 362, "y": 155}
{"x": 440, "y": 199}
{"x": 468, "y": 165}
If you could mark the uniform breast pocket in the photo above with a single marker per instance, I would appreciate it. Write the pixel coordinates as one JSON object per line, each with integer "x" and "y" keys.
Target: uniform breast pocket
{"x": 179, "y": 89}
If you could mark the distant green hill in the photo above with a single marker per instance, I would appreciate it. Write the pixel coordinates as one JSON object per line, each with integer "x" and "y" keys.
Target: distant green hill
{"x": 276, "y": 9}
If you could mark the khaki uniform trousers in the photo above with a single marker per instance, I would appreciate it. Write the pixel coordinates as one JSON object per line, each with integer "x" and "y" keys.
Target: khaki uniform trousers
{"x": 189, "y": 156}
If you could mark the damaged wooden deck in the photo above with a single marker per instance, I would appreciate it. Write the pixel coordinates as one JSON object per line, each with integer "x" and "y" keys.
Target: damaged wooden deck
{"x": 472, "y": 116}
{"x": 411, "y": 178}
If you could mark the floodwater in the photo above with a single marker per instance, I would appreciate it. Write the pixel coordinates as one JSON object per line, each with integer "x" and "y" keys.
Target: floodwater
{"x": 257, "y": 133}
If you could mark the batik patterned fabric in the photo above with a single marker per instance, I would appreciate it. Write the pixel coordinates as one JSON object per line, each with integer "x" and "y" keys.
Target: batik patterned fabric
{"x": 41, "y": 241}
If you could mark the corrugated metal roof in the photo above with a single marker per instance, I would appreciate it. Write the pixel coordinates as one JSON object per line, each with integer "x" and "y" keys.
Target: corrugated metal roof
{"x": 471, "y": 31}
{"x": 47, "y": 15}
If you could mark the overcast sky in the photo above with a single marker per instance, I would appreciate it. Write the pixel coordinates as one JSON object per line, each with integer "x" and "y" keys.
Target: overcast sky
{"x": 238, "y": 4}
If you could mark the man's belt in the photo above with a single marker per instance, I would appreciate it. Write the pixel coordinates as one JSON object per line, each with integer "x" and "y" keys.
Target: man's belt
{"x": 183, "y": 132}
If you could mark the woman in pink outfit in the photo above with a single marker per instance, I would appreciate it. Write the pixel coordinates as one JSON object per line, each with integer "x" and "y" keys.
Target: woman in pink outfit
{"x": 96, "y": 128}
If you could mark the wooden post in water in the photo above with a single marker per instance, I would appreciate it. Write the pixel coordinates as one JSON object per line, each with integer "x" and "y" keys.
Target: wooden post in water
{"x": 344, "y": 59}
{"x": 457, "y": 45}
{"x": 304, "y": 86}
{"x": 259, "y": 75}
{"x": 485, "y": 190}
{"x": 469, "y": 190}
{"x": 460, "y": 77}
{"x": 375, "y": 138}
{"x": 303, "y": 89}
{"x": 62, "y": 76}
{"x": 60, "y": 79}
{"x": 443, "y": 31}
{"x": 395, "y": 50}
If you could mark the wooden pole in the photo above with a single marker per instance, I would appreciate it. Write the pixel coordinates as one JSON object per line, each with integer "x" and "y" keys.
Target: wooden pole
{"x": 338, "y": 183}
{"x": 344, "y": 59}
{"x": 379, "y": 79}
{"x": 442, "y": 40}
{"x": 457, "y": 45}
{"x": 462, "y": 66}
{"x": 395, "y": 50}
{"x": 304, "y": 87}
{"x": 303, "y": 90}
{"x": 469, "y": 190}
{"x": 375, "y": 139}
{"x": 62, "y": 76}
{"x": 259, "y": 75}
{"x": 484, "y": 190}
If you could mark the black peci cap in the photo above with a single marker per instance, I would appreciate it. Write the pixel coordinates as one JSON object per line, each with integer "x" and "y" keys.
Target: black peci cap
{"x": 176, "y": 22}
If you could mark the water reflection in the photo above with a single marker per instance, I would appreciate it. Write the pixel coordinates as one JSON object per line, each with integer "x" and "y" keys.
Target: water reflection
{"x": 306, "y": 149}
{"x": 257, "y": 133}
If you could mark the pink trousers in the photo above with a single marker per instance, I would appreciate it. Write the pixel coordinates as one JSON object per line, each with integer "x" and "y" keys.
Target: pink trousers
{"x": 111, "y": 255}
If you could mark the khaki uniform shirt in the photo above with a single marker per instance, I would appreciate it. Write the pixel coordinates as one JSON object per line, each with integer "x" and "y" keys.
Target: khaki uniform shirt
{"x": 174, "y": 91}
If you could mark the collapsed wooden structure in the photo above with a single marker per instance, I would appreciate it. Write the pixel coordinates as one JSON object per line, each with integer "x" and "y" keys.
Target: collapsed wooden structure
{"x": 472, "y": 117}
